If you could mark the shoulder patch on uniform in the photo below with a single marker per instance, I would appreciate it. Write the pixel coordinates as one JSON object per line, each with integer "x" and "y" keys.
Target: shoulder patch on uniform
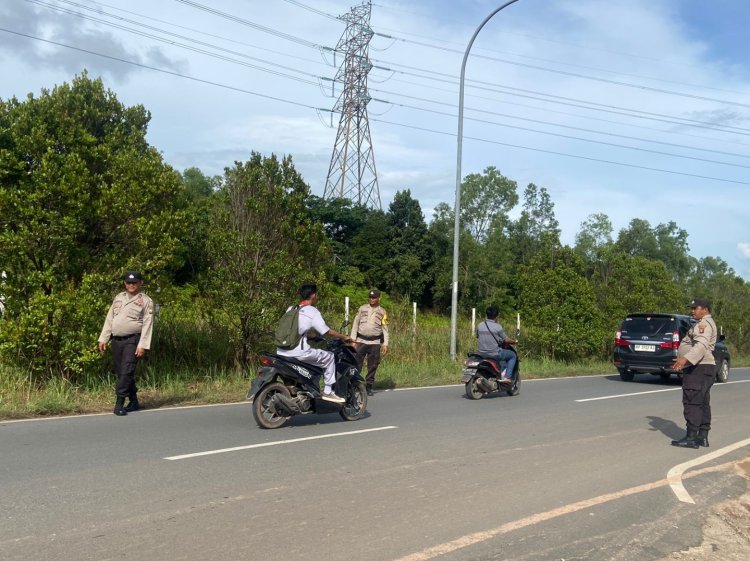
{"x": 385, "y": 318}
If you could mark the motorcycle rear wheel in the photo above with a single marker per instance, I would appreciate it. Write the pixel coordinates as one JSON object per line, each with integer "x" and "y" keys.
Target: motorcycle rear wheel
{"x": 356, "y": 402}
{"x": 472, "y": 390}
{"x": 265, "y": 412}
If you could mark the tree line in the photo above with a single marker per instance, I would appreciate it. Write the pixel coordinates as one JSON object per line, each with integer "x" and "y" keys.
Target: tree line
{"x": 83, "y": 197}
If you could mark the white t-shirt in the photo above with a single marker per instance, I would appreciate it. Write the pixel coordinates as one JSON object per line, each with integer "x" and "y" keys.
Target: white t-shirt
{"x": 309, "y": 318}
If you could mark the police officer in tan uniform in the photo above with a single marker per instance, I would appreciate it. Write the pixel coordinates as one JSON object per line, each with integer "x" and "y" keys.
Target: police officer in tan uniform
{"x": 695, "y": 359}
{"x": 128, "y": 325}
{"x": 370, "y": 334}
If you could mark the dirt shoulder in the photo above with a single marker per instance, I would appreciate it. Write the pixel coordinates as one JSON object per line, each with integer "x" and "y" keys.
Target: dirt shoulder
{"x": 726, "y": 531}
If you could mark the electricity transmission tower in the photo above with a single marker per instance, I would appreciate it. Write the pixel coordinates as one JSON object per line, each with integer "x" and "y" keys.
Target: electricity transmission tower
{"x": 352, "y": 173}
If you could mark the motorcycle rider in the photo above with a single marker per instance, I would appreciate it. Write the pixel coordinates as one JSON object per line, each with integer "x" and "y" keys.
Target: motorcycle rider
{"x": 490, "y": 338}
{"x": 310, "y": 318}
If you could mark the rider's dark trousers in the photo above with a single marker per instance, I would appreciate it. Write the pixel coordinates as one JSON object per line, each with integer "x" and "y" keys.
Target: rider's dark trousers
{"x": 696, "y": 395}
{"x": 372, "y": 352}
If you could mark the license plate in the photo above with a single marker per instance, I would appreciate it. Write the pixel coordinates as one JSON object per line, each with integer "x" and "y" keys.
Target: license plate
{"x": 647, "y": 348}
{"x": 468, "y": 375}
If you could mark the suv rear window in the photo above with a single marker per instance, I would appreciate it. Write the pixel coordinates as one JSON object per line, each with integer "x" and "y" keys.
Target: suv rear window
{"x": 649, "y": 326}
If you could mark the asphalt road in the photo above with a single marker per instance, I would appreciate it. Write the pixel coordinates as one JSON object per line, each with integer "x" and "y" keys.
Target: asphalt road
{"x": 571, "y": 468}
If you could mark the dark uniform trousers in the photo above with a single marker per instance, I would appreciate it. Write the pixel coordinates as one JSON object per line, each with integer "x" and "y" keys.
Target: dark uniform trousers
{"x": 123, "y": 351}
{"x": 696, "y": 395}
{"x": 372, "y": 352}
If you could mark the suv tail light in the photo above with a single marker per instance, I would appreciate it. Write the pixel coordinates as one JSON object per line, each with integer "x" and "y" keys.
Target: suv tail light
{"x": 619, "y": 341}
{"x": 674, "y": 343}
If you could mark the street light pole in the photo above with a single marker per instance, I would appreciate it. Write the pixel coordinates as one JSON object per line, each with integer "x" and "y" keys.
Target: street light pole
{"x": 454, "y": 295}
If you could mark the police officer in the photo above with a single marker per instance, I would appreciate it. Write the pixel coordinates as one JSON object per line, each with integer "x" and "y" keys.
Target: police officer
{"x": 370, "y": 334}
{"x": 128, "y": 325}
{"x": 695, "y": 358}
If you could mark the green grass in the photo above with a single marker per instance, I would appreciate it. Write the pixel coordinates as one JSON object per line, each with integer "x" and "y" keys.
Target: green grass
{"x": 182, "y": 372}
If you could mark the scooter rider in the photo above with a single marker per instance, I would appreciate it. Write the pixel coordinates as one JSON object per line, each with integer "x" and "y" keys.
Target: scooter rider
{"x": 491, "y": 335}
{"x": 310, "y": 318}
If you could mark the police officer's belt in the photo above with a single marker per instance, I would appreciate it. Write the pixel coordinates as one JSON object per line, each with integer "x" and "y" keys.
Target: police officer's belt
{"x": 369, "y": 337}
{"x": 123, "y": 337}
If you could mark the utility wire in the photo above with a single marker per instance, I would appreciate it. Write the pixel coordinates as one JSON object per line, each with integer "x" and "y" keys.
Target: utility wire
{"x": 585, "y": 77}
{"x": 570, "y": 127}
{"x": 572, "y": 65}
{"x": 189, "y": 47}
{"x": 576, "y": 115}
{"x": 424, "y": 129}
{"x": 570, "y": 137}
{"x": 95, "y": 8}
{"x": 572, "y": 101}
{"x": 318, "y": 109}
{"x": 311, "y": 9}
{"x": 164, "y": 71}
{"x": 259, "y": 27}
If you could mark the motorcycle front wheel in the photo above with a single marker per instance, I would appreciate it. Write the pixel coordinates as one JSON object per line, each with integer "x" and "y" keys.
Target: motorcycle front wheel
{"x": 472, "y": 390}
{"x": 264, "y": 409}
{"x": 516, "y": 387}
{"x": 356, "y": 402}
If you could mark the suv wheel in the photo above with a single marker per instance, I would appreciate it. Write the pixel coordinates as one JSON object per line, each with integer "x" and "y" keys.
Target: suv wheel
{"x": 722, "y": 372}
{"x": 626, "y": 375}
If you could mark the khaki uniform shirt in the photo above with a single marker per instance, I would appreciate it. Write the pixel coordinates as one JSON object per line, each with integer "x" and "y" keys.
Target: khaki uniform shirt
{"x": 127, "y": 316}
{"x": 370, "y": 325}
{"x": 697, "y": 346}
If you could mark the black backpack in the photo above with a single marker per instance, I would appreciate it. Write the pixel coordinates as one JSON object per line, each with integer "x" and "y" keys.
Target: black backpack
{"x": 287, "y": 334}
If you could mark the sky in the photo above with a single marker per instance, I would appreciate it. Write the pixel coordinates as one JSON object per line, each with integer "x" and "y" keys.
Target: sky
{"x": 630, "y": 108}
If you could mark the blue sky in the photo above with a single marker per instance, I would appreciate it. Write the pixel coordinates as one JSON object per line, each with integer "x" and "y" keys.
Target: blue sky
{"x": 635, "y": 109}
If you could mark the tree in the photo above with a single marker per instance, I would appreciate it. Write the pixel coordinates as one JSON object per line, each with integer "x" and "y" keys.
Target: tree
{"x": 83, "y": 196}
{"x": 594, "y": 237}
{"x": 263, "y": 245}
{"x": 484, "y": 197}
{"x": 536, "y": 228}
{"x": 407, "y": 270}
{"x": 562, "y": 319}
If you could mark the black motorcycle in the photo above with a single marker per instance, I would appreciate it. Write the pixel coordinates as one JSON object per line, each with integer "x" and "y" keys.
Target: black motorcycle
{"x": 286, "y": 387}
{"x": 483, "y": 375}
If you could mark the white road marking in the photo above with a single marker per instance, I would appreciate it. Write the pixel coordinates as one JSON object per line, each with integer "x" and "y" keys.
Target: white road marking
{"x": 276, "y": 443}
{"x": 485, "y": 535}
{"x": 674, "y": 475}
{"x": 653, "y": 391}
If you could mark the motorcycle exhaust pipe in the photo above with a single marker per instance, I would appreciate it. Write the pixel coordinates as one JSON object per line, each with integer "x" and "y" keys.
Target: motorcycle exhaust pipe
{"x": 485, "y": 384}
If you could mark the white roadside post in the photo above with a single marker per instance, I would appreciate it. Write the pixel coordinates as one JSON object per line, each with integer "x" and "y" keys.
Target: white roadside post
{"x": 346, "y": 309}
{"x": 414, "y": 318}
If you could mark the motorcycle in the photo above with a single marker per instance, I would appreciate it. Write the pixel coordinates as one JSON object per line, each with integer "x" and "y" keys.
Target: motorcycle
{"x": 483, "y": 375}
{"x": 286, "y": 387}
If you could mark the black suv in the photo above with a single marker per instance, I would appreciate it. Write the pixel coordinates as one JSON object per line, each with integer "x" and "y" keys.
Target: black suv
{"x": 648, "y": 343}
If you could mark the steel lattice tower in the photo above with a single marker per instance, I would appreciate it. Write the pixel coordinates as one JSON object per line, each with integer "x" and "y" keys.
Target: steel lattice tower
{"x": 352, "y": 173}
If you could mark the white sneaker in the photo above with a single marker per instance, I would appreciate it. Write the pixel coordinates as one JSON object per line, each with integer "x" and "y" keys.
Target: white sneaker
{"x": 332, "y": 397}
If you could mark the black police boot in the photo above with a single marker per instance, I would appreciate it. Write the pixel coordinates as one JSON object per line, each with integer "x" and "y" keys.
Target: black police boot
{"x": 690, "y": 440}
{"x": 120, "y": 407}
{"x": 133, "y": 405}
{"x": 702, "y": 437}
{"x": 369, "y": 390}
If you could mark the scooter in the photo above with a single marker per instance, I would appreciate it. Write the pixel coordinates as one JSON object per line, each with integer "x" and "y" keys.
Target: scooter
{"x": 286, "y": 387}
{"x": 483, "y": 375}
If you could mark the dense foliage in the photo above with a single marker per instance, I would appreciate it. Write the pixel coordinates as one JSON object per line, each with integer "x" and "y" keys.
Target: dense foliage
{"x": 83, "y": 196}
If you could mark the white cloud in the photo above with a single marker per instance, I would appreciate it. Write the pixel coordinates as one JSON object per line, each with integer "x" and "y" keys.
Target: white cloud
{"x": 744, "y": 249}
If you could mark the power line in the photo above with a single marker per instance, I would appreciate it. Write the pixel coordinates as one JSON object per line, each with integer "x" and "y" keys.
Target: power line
{"x": 98, "y": 10}
{"x": 325, "y": 110}
{"x": 311, "y": 9}
{"x": 567, "y": 100}
{"x": 570, "y": 137}
{"x": 164, "y": 71}
{"x": 424, "y": 129}
{"x": 576, "y": 115}
{"x": 596, "y": 69}
{"x": 188, "y": 47}
{"x": 257, "y": 26}
{"x": 570, "y": 127}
